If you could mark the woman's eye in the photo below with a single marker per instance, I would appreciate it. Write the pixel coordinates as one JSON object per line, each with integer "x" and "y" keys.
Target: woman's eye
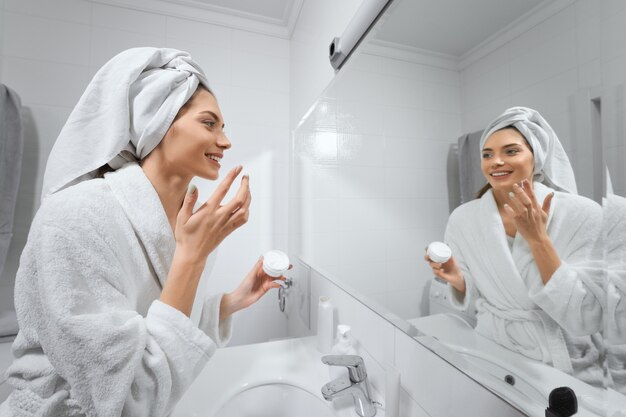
{"x": 209, "y": 123}
{"x": 486, "y": 155}
{"x": 512, "y": 151}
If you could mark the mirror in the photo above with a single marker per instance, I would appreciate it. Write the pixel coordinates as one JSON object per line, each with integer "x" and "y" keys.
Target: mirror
{"x": 376, "y": 167}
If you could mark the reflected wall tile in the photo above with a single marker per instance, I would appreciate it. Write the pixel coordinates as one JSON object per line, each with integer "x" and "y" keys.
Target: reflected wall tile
{"x": 441, "y": 98}
{"x": 361, "y": 214}
{"x": 358, "y": 182}
{"x": 45, "y": 39}
{"x": 490, "y": 86}
{"x": 325, "y": 182}
{"x": 557, "y": 56}
{"x": 549, "y": 94}
{"x": 368, "y": 276}
{"x": 402, "y": 122}
{"x": 356, "y": 246}
{"x": 441, "y": 126}
{"x": 403, "y": 182}
{"x": 360, "y": 149}
{"x": 590, "y": 74}
{"x": 326, "y": 215}
{"x": 589, "y": 40}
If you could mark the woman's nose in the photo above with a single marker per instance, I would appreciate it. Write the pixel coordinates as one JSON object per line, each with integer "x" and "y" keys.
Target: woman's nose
{"x": 223, "y": 141}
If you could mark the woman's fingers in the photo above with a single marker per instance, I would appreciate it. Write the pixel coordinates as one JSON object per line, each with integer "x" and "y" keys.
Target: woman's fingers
{"x": 220, "y": 192}
{"x": 547, "y": 203}
{"x": 190, "y": 200}
{"x": 239, "y": 199}
{"x": 522, "y": 194}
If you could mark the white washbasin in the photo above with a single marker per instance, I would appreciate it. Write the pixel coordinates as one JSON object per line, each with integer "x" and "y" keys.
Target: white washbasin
{"x": 275, "y": 400}
{"x": 273, "y": 379}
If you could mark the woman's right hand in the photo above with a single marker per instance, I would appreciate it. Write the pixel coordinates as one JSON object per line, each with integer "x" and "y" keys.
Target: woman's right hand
{"x": 198, "y": 234}
{"x": 448, "y": 271}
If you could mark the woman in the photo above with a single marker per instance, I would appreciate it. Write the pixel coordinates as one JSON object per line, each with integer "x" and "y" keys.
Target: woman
{"x": 526, "y": 252}
{"x": 108, "y": 276}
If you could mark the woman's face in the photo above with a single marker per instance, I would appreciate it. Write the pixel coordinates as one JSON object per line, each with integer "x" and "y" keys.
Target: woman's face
{"x": 507, "y": 159}
{"x": 195, "y": 142}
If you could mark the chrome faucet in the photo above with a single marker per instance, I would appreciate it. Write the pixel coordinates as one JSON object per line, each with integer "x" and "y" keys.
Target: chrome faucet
{"x": 355, "y": 384}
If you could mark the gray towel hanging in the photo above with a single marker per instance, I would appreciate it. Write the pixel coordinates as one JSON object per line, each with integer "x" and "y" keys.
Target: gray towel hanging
{"x": 11, "y": 149}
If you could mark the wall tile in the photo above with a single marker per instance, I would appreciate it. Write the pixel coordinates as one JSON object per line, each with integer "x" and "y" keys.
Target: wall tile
{"x": 199, "y": 32}
{"x": 128, "y": 20}
{"x": 47, "y": 40}
{"x": 77, "y": 11}
{"x": 44, "y": 83}
{"x": 106, "y": 43}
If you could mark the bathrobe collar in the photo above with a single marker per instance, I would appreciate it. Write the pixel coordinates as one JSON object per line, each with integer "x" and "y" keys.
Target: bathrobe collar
{"x": 492, "y": 235}
{"x": 144, "y": 210}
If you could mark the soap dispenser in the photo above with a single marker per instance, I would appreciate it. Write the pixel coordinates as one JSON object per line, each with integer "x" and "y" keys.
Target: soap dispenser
{"x": 344, "y": 345}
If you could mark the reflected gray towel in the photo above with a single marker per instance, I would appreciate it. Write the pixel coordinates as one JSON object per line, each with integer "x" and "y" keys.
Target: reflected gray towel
{"x": 11, "y": 148}
{"x": 470, "y": 175}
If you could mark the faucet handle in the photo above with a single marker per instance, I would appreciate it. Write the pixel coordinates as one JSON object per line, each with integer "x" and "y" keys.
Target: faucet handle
{"x": 354, "y": 363}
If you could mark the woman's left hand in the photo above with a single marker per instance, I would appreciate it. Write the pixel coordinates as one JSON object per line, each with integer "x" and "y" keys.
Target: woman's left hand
{"x": 530, "y": 219}
{"x": 254, "y": 286}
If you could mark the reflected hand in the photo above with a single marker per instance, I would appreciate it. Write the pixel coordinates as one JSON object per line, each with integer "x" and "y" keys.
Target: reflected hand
{"x": 530, "y": 219}
{"x": 250, "y": 290}
{"x": 448, "y": 271}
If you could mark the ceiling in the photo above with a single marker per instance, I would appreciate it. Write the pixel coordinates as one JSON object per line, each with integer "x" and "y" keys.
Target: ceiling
{"x": 466, "y": 24}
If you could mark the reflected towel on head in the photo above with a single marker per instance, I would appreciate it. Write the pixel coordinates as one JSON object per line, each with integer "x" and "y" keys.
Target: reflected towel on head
{"x": 552, "y": 166}
{"x": 123, "y": 114}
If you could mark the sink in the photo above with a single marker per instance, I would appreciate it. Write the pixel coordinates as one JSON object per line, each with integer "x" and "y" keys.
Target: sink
{"x": 275, "y": 400}
{"x": 282, "y": 378}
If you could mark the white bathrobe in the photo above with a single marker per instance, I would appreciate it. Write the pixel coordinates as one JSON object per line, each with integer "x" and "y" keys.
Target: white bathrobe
{"x": 556, "y": 323}
{"x": 94, "y": 339}
{"x": 615, "y": 335}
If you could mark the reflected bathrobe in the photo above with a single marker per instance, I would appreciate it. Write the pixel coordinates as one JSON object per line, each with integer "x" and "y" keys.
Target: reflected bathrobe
{"x": 94, "y": 339}
{"x": 557, "y": 323}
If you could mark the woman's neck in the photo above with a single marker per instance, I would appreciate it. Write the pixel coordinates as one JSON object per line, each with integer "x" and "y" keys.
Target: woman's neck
{"x": 170, "y": 187}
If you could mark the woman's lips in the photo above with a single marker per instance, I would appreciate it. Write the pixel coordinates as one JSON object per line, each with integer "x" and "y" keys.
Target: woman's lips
{"x": 500, "y": 175}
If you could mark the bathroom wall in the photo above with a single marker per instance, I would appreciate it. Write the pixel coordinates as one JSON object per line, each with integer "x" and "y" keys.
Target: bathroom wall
{"x": 50, "y": 50}
{"x": 588, "y": 37}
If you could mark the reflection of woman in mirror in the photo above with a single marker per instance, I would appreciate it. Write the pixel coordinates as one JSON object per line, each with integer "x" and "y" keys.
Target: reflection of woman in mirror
{"x": 109, "y": 274}
{"x": 523, "y": 251}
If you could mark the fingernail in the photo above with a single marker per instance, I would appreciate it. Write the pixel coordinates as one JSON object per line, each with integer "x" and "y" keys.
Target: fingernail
{"x": 239, "y": 168}
{"x": 506, "y": 205}
{"x": 191, "y": 189}
{"x": 511, "y": 194}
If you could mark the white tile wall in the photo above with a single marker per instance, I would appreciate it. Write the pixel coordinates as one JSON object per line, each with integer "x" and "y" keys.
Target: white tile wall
{"x": 49, "y": 53}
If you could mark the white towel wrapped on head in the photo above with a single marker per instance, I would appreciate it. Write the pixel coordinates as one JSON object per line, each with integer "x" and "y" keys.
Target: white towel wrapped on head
{"x": 552, "y": 166}
{"x": 123, "y": 114}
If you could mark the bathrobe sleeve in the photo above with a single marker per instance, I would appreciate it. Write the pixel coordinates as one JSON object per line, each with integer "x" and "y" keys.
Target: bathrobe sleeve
{"x": 453, "y": 238}
{"x": 574, "y": 296}
{"x": 117, "y": 362}
{"x": 220, "y": 331}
